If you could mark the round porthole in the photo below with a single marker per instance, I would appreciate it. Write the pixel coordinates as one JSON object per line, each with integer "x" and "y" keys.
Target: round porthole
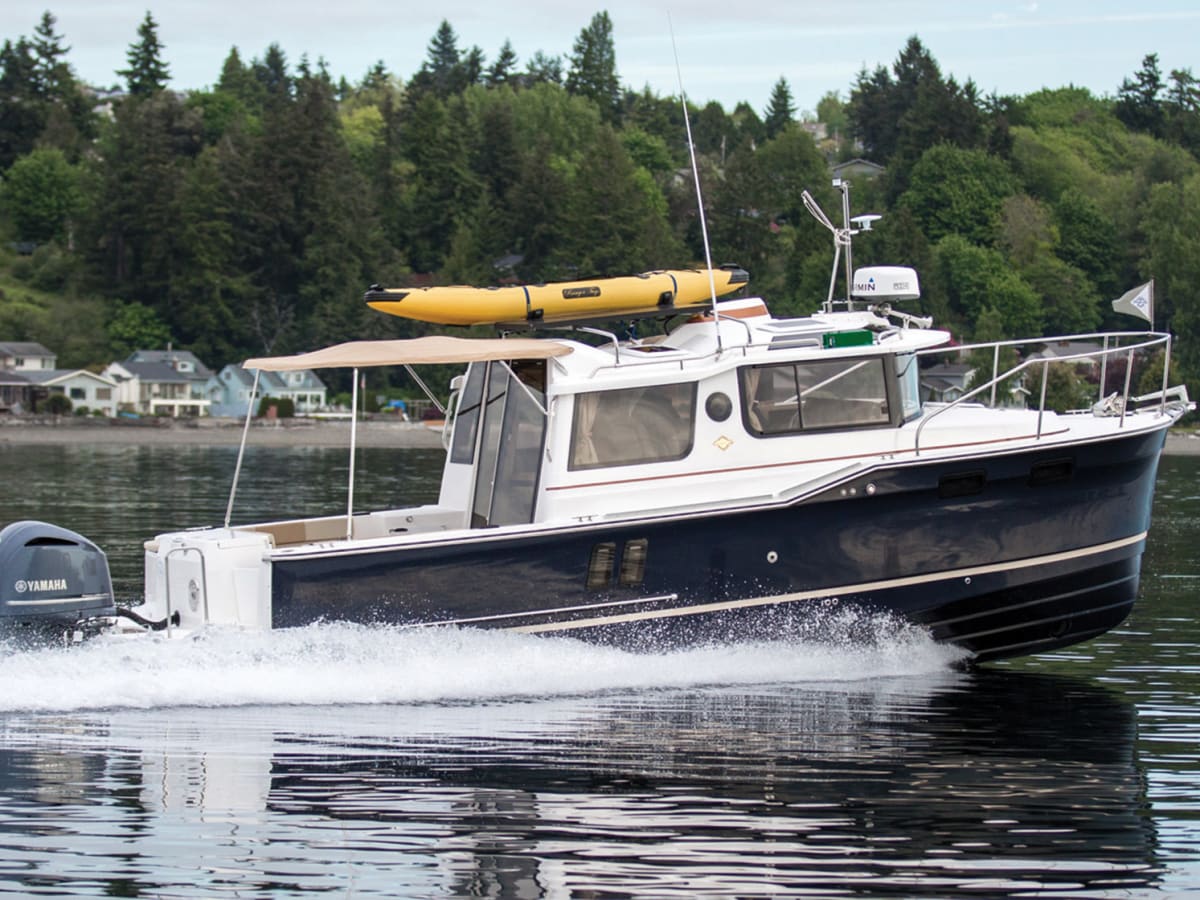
{"x": 718, "y": 406}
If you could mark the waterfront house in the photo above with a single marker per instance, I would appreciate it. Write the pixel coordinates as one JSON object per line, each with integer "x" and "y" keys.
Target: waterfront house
{"x": 229, "y": 391}
{"x": 86, "y": 390}
{"x": 25, "y": 356}
{"x": 154, "y": 388}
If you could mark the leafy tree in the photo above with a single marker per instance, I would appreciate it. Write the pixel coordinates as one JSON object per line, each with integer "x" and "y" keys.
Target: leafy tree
{"x": 956, "y": 191}
{"x": 1087, "y": 238}
{"x": 593, "y": 71}
{"x": 41, "y": 194}
{"x": 132, "y": 326}
{"x": 1172, "y": 221}
{"x": 977, "y": 278}
{"x": 147, "y": 72}
{"x": 987, "y": 363}
{"x": 831, "y": 111}
{"x": 58, "y": 404}
{"x": 1066, "y": 388}
{"x": 781, "y": 111}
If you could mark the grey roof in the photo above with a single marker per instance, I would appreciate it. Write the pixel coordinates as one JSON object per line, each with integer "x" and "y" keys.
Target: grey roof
{"x": 24, "y": 348}
{"x": 167, "y": 357}
{"x": 8, "y": 377}
{"x": 1066, "y": 348}
{"x": 272, "y": 382}
{"x": 155, "y": 371}
{"x": 43, "y": 376}
{"x": 948, "y": 369}
{"x": 940, "y": 385}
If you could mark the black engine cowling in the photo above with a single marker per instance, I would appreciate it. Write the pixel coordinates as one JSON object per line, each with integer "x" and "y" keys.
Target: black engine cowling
{"x": 51, "y": 580}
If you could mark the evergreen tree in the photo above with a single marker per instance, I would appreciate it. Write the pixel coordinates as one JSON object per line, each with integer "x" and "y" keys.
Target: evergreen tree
{"x": 750, "y": 129}
{"x": 781, "y": 110}
{"x": 22, "y": 112}
{"x": 1139, "y": 104}
{"x": 1182, "y": 111}
{"x": 897, "y": 119}
{"x": 593, "y": 72}
{"x": 271, "y": 72}
{"x": 132, "y": 232}
{"x": 616, "y": 217}
{"x": 503, "y": 70}
{"x": 472, "y": 68}
{"x": 52, "y": 73}
{"x": 444, "y": 71}
{"x": 147, "y": 72}
{"x": 711, "y": 130}
{"x": 237, "y": 80}
{"x": 543, "y": 69}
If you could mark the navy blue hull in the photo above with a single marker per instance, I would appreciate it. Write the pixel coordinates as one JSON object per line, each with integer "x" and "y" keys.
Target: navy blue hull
{"x": 1004, "y": 554}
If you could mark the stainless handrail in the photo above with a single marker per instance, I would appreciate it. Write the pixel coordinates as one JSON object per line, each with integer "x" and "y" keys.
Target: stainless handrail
{"x": 1154, "y": 339}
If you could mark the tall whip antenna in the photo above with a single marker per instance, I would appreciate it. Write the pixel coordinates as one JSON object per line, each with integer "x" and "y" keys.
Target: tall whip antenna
{"x": 687, "y": 124}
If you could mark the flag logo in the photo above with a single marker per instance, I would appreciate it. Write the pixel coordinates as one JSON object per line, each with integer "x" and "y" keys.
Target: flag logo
{"x": 1138, "y": 302}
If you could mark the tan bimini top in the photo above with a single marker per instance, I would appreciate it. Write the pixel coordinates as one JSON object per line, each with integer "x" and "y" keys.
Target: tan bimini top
{"x": 413, "y": 351}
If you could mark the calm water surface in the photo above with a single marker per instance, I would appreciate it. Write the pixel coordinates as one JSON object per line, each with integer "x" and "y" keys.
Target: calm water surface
{"x": 355, "y": 762}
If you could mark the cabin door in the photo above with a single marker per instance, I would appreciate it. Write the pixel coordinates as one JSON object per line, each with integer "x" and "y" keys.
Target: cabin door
{"x": 512, "y": 435}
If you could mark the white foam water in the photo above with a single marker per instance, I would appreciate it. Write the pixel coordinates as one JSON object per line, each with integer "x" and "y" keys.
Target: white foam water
{"x": 352, "y": 664}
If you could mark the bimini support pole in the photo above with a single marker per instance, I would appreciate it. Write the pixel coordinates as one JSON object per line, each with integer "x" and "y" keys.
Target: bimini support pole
{"x": 353, "y": 442}
{"x": 237, "y": 471}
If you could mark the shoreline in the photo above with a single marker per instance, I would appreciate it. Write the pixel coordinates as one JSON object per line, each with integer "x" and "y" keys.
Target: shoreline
{"x": 211, "y": 432}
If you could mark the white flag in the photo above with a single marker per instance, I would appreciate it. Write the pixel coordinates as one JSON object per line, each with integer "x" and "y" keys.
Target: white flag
{"x": 1138, "y": 302}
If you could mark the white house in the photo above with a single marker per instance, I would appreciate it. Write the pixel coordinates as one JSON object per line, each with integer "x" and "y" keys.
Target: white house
{"x": 86, "y": 390}
{"x": 155, "y": 388}
{"x": 26, "y": 356}
{"x": 229, "y": 390}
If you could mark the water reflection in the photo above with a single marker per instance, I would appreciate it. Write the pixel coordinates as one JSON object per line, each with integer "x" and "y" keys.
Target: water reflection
{"x": 993, "y": 782}
{"x": 1074, "y": 772}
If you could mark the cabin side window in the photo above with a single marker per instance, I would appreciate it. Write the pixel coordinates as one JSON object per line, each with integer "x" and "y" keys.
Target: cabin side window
{"x": 633, "y": 425}
{"x": 908, "y": 377}
{"x": 785, "y": 398}
{"x": 466, "y": 419}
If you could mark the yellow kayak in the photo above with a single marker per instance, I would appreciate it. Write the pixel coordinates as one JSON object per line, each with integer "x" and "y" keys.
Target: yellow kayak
{"x": 665, "y": 290}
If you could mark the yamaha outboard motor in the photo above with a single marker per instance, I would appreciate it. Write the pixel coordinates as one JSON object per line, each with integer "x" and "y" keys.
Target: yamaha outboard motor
{"x": 54, "y": 584}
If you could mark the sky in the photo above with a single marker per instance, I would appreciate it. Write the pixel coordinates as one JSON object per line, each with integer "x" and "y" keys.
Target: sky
{"x": 726, "y": 51}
